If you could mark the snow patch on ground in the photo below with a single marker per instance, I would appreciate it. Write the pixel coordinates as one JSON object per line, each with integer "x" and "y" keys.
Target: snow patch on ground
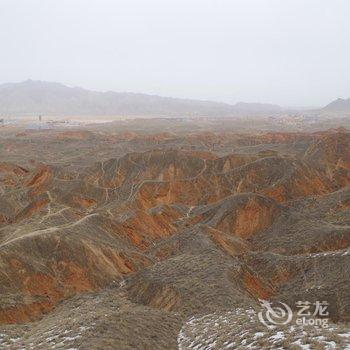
{"x": 241, "y": 329}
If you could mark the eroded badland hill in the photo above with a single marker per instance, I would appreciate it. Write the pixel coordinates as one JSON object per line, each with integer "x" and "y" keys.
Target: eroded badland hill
{"x": 115, "y": 239}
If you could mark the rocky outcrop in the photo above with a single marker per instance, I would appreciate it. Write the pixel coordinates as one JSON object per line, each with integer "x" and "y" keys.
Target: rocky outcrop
{"x": 241, "y": 215}
{"x": 331, "y": 155}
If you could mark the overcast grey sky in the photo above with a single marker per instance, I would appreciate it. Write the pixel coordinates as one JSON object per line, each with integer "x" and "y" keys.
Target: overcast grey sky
{"x": 290, "y": 52}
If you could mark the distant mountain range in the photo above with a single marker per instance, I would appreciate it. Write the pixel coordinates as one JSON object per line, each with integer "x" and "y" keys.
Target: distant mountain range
{"x": 39, "y": 97}
{"x": 339, "y": 105}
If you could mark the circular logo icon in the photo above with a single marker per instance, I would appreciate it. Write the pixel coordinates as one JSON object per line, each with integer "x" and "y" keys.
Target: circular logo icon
{"x": 274, "y": 315}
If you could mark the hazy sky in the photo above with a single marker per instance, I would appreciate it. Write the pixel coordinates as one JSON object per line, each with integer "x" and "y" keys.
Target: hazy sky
{"x": 290, "y": 52}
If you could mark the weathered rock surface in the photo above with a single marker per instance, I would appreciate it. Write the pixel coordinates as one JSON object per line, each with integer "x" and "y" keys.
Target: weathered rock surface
{"x": 171, "y": 229}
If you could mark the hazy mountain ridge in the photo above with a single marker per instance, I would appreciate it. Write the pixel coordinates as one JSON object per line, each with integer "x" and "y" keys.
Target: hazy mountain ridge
{"x": 339, "y": 105}
{"x": 38, "y": 97}
{"x": 253, "y": 106}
